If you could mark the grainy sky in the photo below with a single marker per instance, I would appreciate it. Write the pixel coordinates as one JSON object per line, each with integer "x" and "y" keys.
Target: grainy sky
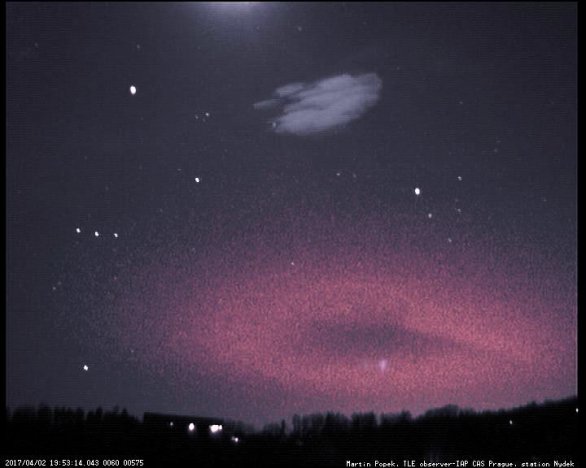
{"x": 259, "y": 209}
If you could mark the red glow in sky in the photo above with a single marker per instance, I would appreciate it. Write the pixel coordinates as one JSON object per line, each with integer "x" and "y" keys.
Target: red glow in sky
{"x": 341, "y": 328}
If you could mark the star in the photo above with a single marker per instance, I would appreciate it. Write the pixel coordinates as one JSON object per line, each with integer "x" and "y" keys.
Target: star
{"x": 429, "y": 215}
{"x": 116, "y": 235}
{"x": 197, "y": 180}
{"x": 97, "y": 234}
{"x": 78, "y": 230}
{"x": 133, "y": 90}
{"x": 417, "y": 191}
{"x": 460, "y": 178}
{"x": 85, "y": 367}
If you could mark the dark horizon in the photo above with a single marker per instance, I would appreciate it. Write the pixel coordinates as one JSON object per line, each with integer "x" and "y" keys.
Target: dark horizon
{"x": 254, "y": 210}
{"x": 534, "y": 435}
{"x": 444, "y": 410}
{"x": 117, "y": 409}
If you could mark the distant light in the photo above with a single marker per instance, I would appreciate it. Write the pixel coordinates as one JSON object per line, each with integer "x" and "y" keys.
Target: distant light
{"x": 171, "y": 424}
{"x": 510, "y": 422}
{"x": 417, "y": 191}
{"x": 576, "y": 410}
{"x": 78, "y": 230}
{"x": 191, "y": 427}
{"x": 235, "y": 439}
{"x": 207, "y": 114}
{"x": 236, "y": 4}
{"x": 429, "y": 215}
{"x": 460, "y": 178}
{"x": 97, "y": 234}
{"x": 116, "y": 235}
{"x": 85, "y": 367}
{"x": 197, "y": 180}
{"x": 215, "y": 428}
{"x": 133, "y": 90}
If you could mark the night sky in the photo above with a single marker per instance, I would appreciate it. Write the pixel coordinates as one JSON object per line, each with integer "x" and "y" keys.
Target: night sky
{"x": 260, "y": 209}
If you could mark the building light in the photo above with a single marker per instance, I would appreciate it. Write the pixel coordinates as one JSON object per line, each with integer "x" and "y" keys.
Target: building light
{"x": 215, "y": 428}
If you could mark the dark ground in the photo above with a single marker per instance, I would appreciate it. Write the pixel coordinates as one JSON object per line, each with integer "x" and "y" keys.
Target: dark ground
{"x": 533, "y": 434}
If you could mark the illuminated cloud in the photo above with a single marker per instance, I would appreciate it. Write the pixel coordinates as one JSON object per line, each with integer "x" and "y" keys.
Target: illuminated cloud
{"x": 308, "y": 108}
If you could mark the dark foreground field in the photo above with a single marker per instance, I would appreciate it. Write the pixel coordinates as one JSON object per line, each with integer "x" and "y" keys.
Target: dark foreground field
{"x": 536, "y": 434}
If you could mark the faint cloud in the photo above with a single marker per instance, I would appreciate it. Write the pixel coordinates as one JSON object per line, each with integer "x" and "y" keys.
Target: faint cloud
{"x": 307, "y": 108}
{"x": 267, "y": 104}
